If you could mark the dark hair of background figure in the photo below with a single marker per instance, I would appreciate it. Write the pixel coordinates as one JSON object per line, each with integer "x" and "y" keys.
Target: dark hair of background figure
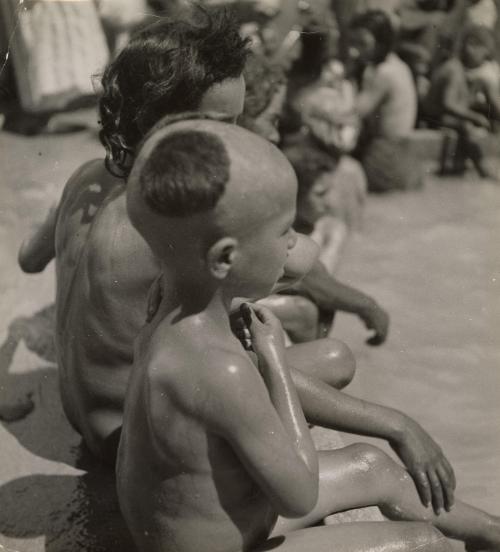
{"x": 166, "y": 67}
{"x": 309, "y": 163}
{"x": 379, "y": 25}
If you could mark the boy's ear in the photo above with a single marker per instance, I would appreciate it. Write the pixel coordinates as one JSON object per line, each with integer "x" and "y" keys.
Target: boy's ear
{"x": 221, "y": 257}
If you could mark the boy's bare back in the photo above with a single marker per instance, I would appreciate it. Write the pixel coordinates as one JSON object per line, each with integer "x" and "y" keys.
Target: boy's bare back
{"x": 104, "y": 270}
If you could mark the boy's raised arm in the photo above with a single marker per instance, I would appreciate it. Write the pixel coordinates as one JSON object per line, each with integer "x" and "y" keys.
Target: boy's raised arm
{"x": 239, "y": 409}
{"x": 454, "y": 105}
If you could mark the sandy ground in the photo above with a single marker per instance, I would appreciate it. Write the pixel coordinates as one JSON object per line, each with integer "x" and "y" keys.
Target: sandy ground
{"x": 431, "y": 258}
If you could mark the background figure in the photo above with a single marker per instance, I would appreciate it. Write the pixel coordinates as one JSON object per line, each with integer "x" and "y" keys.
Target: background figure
{"x": 387, "y": 104}
{"x": 450, "y": 101}
{"x": 56, "y": 47}
{"x": 309, "y": 314}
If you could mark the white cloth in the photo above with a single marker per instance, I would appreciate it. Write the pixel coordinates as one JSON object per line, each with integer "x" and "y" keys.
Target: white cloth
{"x": 483, "y": 13}
{"x": 56, "y": 47}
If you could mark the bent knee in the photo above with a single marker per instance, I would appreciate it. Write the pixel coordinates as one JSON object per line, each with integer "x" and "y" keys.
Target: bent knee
{"x": 306, "y": 310}
{"x": 303, "y": 319}
{"x": 340, "y": 361}
{"x": 370, "y": 458}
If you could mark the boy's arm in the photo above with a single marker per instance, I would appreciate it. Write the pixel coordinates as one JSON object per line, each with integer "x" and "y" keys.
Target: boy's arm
{"x": 267, "y": 338}
{"x": 38, "y": 249}
{"x": 327, "y": 407}
{"x": 331, "y": 295}
{"x": 453, "y": 105}
{"x": 239, "y": 409}
{"x": 371, "y": 96}
{"x": 493, "y": 97}
{"x": 331, "y": 233}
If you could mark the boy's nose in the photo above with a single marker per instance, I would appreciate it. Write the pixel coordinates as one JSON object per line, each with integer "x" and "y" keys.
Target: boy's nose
{"x": 292, "y": 240}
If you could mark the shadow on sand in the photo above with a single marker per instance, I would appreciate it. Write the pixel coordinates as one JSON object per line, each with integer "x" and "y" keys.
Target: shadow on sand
{"x": 77, "y": 513}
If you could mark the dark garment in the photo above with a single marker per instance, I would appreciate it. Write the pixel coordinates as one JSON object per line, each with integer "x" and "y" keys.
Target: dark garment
{"x": 390, "y": 164}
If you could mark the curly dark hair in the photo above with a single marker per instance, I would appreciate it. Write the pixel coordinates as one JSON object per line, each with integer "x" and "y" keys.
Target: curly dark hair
{"x": 309, "y": 162}
{"x": 379, "y": 25}
{"x": 166, "y": 68}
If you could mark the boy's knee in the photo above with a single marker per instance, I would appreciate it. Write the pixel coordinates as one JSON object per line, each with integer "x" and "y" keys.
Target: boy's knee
{"x": 304, "y": 325}
{"x": 307, "y": 311}
{"x": 370, "y": 458}
{"x": 341, "y": 360}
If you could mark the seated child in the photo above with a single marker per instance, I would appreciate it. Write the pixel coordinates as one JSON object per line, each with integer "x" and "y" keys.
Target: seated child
{"x": 386, "y": 103}
{"x": 262, "y": 111}
{"x": 449, "y": 103}
{"x": 201, "y": 460}
{"x": 314, "y": 169}
{"x": 482, "y": 71}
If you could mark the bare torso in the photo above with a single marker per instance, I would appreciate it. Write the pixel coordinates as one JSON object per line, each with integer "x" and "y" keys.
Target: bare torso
{"x": 104, "y": 271}
{"x": 181, "y": 486}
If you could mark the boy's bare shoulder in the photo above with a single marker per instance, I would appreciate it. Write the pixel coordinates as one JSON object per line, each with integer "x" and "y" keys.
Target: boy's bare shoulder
{"x": 201, "y": 377}
{"x": 90, "y": 179}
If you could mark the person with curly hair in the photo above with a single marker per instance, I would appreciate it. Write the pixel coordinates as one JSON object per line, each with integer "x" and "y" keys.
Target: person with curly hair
{"x": 104, "y": 268}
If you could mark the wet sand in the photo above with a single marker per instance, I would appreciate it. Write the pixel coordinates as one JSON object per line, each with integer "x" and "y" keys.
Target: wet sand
{"x": 431, "y": 258}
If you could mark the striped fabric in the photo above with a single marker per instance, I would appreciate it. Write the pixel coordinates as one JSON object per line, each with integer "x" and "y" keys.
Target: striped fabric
{"x": 56, "y": 46}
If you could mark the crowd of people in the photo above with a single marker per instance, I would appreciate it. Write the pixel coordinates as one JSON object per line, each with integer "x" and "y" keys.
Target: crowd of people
{"x": 195, "y": 265}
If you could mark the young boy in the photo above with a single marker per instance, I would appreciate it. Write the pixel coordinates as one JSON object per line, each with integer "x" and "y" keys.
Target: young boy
{"x": 202, "y": 462}
{"x": 449, "y": 102}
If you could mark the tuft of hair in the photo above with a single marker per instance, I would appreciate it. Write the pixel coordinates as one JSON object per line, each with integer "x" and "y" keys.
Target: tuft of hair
{"x": 166, "y": 68}
{"x": 309, "y": 162}
{"x": 379, "y": 25}
{"x": 185, "y": 174}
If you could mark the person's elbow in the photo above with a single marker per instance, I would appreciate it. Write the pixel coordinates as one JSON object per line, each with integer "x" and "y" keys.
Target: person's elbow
{"x": 30, "y": 263}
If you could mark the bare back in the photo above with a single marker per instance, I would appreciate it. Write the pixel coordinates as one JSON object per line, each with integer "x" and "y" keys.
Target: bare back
{"x": 181, "y": 485}
{"x": 104, "y": 271}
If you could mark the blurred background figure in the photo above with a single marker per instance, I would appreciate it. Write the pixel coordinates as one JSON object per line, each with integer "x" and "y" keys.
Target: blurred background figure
{"x": 465, "y": 96}
{"x": 386, "y": 103}
{"x": 54, "y": 47}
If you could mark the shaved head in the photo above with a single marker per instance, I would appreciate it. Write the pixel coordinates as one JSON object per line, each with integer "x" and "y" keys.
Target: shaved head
{"x": 194, "y": 181}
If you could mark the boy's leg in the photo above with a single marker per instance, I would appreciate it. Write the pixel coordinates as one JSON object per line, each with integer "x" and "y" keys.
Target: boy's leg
{"x": 473, "y": 150}
{"x": 329, "y": 360}
{"x": 363, "y": 475}
{"x": 360, "y": 537}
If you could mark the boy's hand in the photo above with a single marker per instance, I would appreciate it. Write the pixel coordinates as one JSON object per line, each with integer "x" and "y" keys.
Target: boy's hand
{"x": 375, "y": 318}
{"x": 426, "y": 463}
{"x": 264, "y": 328}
